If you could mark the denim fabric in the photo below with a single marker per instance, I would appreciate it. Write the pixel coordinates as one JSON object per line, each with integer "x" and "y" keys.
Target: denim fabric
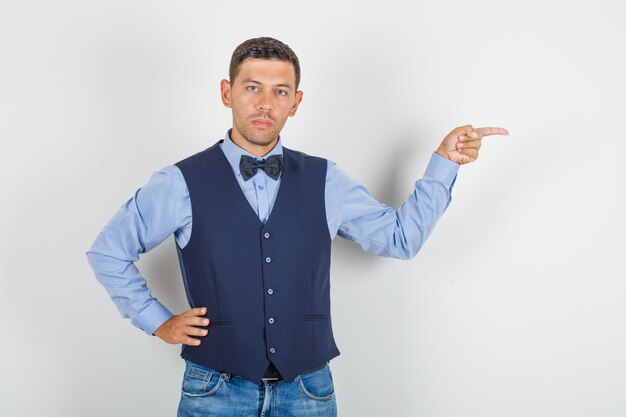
{"x": 207, "y": 392}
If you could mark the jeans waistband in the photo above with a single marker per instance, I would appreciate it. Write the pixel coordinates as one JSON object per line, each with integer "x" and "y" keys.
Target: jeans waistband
{"x": 272, "y": 374}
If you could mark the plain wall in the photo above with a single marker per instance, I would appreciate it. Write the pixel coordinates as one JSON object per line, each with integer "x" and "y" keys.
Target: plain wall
{"x": 515, "y": 306}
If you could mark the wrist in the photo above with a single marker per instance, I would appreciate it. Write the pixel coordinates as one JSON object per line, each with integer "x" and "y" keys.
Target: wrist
{"x": 443, "y": 153}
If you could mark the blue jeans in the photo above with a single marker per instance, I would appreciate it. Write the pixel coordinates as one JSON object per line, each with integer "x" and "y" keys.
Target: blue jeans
{"x": 207, "y": 392}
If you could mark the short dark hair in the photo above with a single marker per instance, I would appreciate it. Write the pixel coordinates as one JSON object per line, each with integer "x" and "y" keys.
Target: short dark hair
{"x": 263, "y": 48}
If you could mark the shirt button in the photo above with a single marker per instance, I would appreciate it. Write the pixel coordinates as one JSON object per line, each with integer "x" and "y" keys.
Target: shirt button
{"x": 271, "y": 320}
{"x": 272, "y": 350}
{"x": 270, "y": 291}
{"x": 268, "y": 259}
{"x": 266, "y": 235}
{"x": 261, "y": 187}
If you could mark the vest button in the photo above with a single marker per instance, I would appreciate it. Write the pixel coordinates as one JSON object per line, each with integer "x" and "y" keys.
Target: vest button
{"x": 268, "y": 259}
{"x": 270, "y": 291}
{"x": 272, "y": 350}
{"x": 271, "y": 320}
{"x": 266, "y": 235}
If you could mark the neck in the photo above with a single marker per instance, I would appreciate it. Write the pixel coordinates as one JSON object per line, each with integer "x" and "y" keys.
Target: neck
{"x": 253, "y": 148}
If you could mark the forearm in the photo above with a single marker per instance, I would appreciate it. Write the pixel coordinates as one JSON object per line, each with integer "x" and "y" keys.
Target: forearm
{"x": 381, "y": 230}
{"x": 416, "y": 218}
{"x": 127, "y": 289}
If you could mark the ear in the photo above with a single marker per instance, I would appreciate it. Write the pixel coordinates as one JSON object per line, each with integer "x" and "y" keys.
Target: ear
{"x": 225, "y": 92}
{"x": 296, "y": 103}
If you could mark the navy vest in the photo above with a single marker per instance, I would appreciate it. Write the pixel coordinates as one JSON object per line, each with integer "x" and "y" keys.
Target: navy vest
{"x": 266, "y": 286}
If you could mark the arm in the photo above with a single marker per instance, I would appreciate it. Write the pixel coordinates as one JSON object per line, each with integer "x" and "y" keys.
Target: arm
{"x": 377, "y": 227}
{"x": 153, "y": 213}
{"x": 381, "y": 230}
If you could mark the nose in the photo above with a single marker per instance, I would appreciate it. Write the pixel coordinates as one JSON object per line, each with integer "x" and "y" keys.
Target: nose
{"x": 265, "y": 102}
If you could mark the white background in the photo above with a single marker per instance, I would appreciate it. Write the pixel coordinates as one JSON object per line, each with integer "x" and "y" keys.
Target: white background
{"x": 514, "y": 307}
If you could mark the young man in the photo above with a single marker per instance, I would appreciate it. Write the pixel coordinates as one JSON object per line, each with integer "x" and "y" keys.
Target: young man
{"x": 253, "y": 223}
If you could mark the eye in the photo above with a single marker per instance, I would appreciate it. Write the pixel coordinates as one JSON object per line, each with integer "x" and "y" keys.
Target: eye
{"x": 281, "y": 92}
{"x": 252, "y": 88}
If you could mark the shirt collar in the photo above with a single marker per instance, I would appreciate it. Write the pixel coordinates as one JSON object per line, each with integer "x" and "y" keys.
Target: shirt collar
{"x": 233, "y": 152}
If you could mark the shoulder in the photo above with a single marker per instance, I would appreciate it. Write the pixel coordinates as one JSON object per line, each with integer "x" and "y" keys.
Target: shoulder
{"x": 198, "y": 156}
{"x": 166, "y": 179}
{"x": 304, "y": 160}
{"x": 334, "y": 173}
{"x": 301, "y": 155}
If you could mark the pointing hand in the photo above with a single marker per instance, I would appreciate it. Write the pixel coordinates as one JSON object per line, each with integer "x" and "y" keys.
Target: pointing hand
{"x": 462, "y": 144}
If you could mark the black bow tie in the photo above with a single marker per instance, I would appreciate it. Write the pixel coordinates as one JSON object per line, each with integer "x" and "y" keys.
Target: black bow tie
{"x": 249, "y": 166}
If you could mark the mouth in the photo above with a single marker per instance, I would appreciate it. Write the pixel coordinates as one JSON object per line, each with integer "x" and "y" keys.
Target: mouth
{"x": 262, "y": 123}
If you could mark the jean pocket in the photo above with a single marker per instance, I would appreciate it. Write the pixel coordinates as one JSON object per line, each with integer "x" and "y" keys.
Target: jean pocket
{"x": 317, "y": 385}
{"x": 200, "y": 381}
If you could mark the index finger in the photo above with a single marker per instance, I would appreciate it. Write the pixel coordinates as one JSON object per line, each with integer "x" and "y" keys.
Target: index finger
{"x": 488, "y": 131}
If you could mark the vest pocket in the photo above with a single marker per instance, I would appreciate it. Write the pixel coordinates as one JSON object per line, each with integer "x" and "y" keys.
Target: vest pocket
{"x": 314, "y": 317}
{"x": 216, "y": 322}
{"x": 200, "y": 382}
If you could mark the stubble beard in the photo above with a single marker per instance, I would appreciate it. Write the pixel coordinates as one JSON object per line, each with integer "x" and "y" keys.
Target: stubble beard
{"x": 259, "y": 139}
{"x": 246, "y": 130}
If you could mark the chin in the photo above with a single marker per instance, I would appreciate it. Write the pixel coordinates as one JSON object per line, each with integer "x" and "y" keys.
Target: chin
{"x": 261, "y": 139}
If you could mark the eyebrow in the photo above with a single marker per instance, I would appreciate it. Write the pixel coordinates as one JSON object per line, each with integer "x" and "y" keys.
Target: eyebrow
{"x": 257, "y": 82}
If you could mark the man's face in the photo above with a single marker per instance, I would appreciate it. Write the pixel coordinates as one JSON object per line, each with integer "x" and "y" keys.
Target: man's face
{"x": 262, "y": 96}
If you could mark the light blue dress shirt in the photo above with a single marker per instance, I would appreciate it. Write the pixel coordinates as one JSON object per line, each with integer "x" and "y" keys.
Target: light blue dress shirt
{"x": 162, "y": 207}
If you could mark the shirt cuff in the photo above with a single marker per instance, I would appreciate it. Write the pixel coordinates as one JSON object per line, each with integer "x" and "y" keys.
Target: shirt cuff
{"x": 442, "y": 169}
{"x": 152, "y": 317}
